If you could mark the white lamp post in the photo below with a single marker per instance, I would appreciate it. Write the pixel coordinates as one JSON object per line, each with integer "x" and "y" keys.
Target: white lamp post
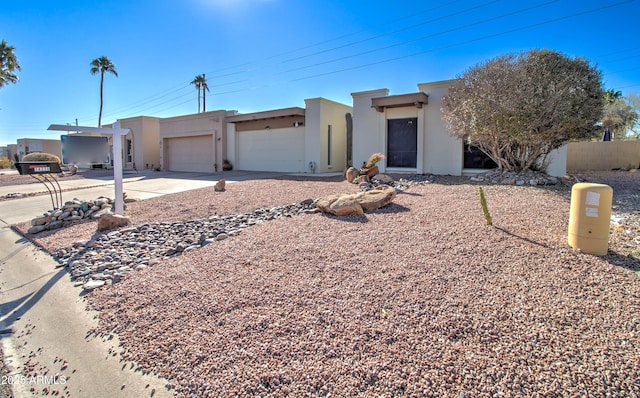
{"x": 117, "y": 134}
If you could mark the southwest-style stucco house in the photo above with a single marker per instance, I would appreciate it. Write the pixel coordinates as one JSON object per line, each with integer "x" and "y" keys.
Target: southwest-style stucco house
{"x": 295, "y": 140}
{"x": 141, "y": 146}
{"x": 194, "y": 142}
{"x": 408, "y": 129}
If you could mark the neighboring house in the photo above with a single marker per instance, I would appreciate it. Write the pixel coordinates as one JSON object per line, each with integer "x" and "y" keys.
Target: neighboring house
{"x": 12, "y": 152}
{"x": 141, "y": 146}
{"x": 408, "y": 129}
{"x": 295, "y": 140}
{"x": 26, "y": 146}
{"x": 195, "y": 143}
{"x": 4, "y": 152}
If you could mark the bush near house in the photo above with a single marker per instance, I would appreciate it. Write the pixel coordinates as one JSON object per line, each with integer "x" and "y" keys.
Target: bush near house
{"x": 5, "y": 163}
{"x": 41, "y": 157}
{"x": 518, "y": 108}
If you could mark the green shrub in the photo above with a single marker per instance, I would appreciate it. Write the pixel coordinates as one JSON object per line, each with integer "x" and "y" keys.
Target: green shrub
{"x": 41, "y": 157}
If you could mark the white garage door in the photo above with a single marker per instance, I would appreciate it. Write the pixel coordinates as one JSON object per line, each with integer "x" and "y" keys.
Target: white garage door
{"x": 272, "y": 150}
{"x": 191, "y": 153}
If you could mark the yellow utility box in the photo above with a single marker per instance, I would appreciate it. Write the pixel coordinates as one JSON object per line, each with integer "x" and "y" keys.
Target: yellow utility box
{"x": 589, "y": 217}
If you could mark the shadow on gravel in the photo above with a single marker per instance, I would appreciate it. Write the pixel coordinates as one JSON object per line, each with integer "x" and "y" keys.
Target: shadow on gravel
{"x": 393, "y": 208}
{"x": 358, "y": 218}
{"x": 620, "y": 260}
{"x": 522, "y": 238}
{"x": 362, "y": 218}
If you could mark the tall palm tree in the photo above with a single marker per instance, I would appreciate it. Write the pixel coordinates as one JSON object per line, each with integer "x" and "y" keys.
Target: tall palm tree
{"x": 201, "y": 84}
{"x": 8, "y": 64}
{"x": 102, "y": 65}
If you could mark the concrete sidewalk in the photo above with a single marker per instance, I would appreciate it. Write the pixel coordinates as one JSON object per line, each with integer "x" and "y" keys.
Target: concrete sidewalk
{"x": 44, "y": 330}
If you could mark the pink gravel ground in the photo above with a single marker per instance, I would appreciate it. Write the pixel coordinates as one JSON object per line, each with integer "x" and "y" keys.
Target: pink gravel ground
{"x": 417, "y": 299}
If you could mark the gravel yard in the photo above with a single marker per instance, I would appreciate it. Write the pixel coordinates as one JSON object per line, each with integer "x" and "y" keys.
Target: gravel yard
{"x": 417, "y": 299}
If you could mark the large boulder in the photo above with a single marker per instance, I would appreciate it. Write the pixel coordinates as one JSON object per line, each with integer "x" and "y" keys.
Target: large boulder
{"x": 376, "y": 198}
{"x": 111, "y": 221}
{"x": 340, "y": 205}
{"x": 349, "y": 204}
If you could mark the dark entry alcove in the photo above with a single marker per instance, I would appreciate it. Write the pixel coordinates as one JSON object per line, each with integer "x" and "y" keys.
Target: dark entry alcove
{"x": 402, "y": 142}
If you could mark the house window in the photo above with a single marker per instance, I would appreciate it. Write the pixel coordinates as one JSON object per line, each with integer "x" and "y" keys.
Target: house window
{"x": 329, "y": 145}
{"x": 474, "y": 158}
{"x": 129, "y": 151}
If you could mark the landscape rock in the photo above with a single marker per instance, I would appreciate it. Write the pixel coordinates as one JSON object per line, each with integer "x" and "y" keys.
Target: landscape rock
{"x": 340, "y": 205}
{"x": 351, "y": 174}
{"x": 350, "y": 204}
{"x": 93, "y": 284}
{"x": 532, "y": 178}
{"x": 73, "y": 211}
{"x": 119, "y": 251}
{"x": 39, "y": 220}
{"x": 383, "y": 179}
{"x": 220, "y": 186}
{"x": 111, "y": 221}
{"x": 36, "y": 229}
{"x": 376, "y": 198}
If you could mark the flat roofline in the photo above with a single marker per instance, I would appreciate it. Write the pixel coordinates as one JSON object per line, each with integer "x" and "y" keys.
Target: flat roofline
{"x": 272, "y": 114}
{"x": 395, "y": 101}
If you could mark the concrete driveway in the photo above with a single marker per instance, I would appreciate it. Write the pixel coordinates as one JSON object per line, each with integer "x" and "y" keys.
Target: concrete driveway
{"x": 142, "y": 185}
{"x": 44, "y": 325}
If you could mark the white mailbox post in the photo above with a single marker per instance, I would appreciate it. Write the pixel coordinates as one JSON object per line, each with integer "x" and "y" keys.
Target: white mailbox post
{"x": 117, "y": 134}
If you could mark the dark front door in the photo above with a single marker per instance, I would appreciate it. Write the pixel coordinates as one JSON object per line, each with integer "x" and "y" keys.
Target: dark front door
{"x": 402, "y": 142}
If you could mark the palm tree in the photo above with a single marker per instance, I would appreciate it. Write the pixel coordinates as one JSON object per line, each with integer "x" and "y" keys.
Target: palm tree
{"x": 201, "y": 84}
{"x": 610, "y": 96}
{"x": 8, "y": 64}
{"x": 102, "y": 65}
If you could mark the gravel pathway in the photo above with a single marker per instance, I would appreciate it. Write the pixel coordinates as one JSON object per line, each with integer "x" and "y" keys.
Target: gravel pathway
{"x": 417, "y": 299}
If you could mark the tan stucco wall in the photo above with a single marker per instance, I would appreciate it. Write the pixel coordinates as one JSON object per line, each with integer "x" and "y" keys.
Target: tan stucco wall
{"x": 145, "y": 136}
{"x": 369, "y": 127}
{"x": 320, "y": 114}
{"x": 585, "y": 156}
{"x": 53, "y": 147}
{"x": 206, "y": 123}
{"x": 443, "y": 154}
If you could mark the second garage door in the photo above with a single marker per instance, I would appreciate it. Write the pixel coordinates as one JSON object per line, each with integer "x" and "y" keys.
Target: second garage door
{"x": 191, "y": 154}
{"x": 279, "y": 150}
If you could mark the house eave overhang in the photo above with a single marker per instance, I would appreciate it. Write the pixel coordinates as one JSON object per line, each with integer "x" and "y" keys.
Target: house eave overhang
{"x": 397, "y": 101}
{"x": 273, "y": 114}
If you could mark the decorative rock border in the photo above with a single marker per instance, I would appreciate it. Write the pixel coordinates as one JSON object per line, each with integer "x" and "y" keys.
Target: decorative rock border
{"x": 109, "y": 257}
{"x": 72, "y": 211}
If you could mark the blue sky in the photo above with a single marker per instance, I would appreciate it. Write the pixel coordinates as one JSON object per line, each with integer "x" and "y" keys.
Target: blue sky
{"x": 268, "y": 54}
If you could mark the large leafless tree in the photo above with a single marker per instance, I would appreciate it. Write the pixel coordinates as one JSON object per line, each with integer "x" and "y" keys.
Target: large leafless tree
{"x": 517, "y": 108}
